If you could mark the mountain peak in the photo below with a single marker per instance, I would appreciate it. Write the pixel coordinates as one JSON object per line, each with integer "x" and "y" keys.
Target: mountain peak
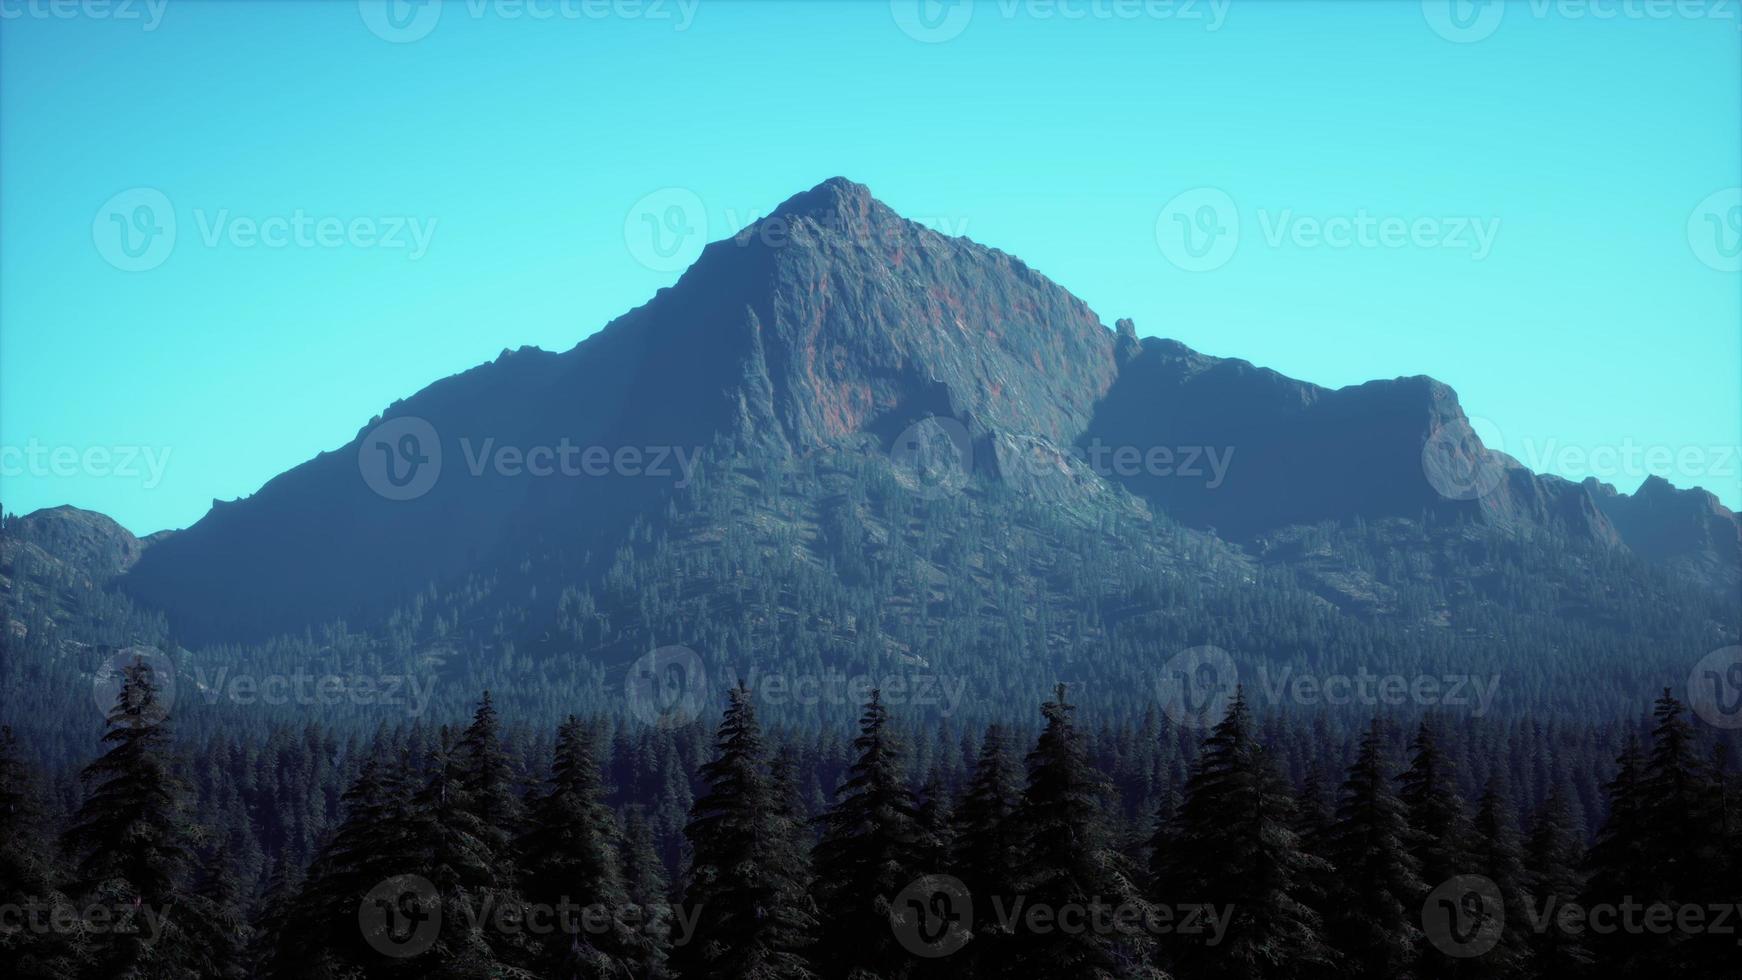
{"x": 836, "y": 197}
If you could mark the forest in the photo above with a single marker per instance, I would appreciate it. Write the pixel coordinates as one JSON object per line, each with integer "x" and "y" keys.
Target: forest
{"x": 1261, "y": 847}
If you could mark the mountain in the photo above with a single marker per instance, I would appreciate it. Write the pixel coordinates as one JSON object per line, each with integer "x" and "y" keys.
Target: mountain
{"x": 849, "y": 438}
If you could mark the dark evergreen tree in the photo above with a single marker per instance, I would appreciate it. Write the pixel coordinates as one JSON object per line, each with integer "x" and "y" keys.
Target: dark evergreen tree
{"x": 29, "y": 878}
{"x": 1553, "y": 856}
{"x": 1499, "y": 856}
{"x": 129, "y": 838}
{"x": 1070, "y": 865}
{"x": 1375, "y": 914}
{"x": 745, "y": 890}
{"x": 649, "y": 890}
{"x": 987, "y": 852}
{"x": 217, "y": 929}
{"x": 1233, "y": 850}
{"x": 571, "y": 853}
{"x": 872, "y": 846}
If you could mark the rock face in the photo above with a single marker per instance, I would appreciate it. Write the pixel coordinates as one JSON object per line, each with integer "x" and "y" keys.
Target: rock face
{"x": 834, "y": 319}
{"x": 1685, "y": 528}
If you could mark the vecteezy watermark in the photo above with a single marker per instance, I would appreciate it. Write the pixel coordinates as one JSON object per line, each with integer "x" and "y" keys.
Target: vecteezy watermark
{"x": 666, "y": 229}
{"x": 1715, "y": 230}
{"x": 937, "y": 21}
{"x": 839, "y": 689}
{"x": 1195, "y": 687}
{"x": 1460, "y": 460}
{"x": 933, "y": 457}
{"x": 1199, "y": 230}
{"x": 1469, "y": 21}
{"x": 110, "y": 678}
{"x": 402, "y": 917}
{"x": 147, "y": 13}
{"x": 401, "y": 459}
{"x": 143, "y": 463}
{"x": 1715, "y": 688}
{"x": 56, "y": 916}
{"x": 302, "y": 688}
{"x": 936, "y": 456}
{"x": 135, "y": 231}
{"x": 1465, "y": 917}
{"x": 667, "y": 687}
{"x": 405, "y": 21}
{"x": 1468, "y": 458}
{"x": 933, "y": 916}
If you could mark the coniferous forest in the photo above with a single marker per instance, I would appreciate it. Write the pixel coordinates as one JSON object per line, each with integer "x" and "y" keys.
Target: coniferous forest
{"x": 492, "y": 496}
{"x": 1254, "y": 848}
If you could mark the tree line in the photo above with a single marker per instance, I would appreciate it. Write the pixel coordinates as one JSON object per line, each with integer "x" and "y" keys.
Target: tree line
{"x": 444, "y": 863}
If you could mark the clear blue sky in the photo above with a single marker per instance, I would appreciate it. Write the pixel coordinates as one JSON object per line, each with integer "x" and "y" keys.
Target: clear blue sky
{"x": 1603, "y": 313}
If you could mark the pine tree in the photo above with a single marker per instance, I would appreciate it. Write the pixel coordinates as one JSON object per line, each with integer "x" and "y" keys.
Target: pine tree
{"x": 571, "y": 853}
{"x": 1373, "y": 919}
{"x": 217, "y": 930}
{"x": 1070, "y": 865}
{"x": 317, "y": 931}
{"x": 129, "y": 836}
{"x": 648, "y": 889}
{"x": 1499, "y": 857}
{"x": 986, "y": 853}
{"x": 1233, "y": 849}
{"x": 1440, "y": 836}
{"x": 1552, "y": 859}
{"x": 872, "y": 847}
{"x": 28, "y": 875}
{"x": 456, "y": 853}
{"x": 745, "y": 890}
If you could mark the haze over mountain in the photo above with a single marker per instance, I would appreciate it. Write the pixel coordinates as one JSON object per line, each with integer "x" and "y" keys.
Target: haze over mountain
{"x": 834, "y": 342}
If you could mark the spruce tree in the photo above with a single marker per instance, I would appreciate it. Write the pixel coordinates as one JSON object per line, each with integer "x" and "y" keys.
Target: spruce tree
{"x": 1440, "y": 836}
{"x": 986, "y": 853}
{"x": 1233, "y": 849}
{"x": 28, "y": 874}
{"x": 745, "y": 890}
{"x": 1553, "y": 856}
{"x": 645, "y": 881}
{"x": 1499, "y": 856}
{"x": 571, "y": 853}
{"x": 1375, "y": 914}
{"x": 872, "y": 847}
{"x": 129, "y": 837}
{"x": 1070, "y": 865}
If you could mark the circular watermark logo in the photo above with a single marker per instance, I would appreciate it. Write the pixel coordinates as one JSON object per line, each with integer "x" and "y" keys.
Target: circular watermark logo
{"x": 1198, "y": 230}
{"x": 401, "y": 458}
{"x": 667, "y": 687}
{"x": 1196, "y": 686}
{"x": 1463, "y": 21}
{"x": 665, "y": 230}
{"x": 111, "y": 677}
{"x": 1459, "y": 461}
{"x": 1464, "y": 916}
{"x": 401, "y": 917}
{"x": 400, "y": 21}
{"x": 933, "y": 917}
{"x": 932, "y": 21}
{"x": 1715, "y": 230}
{"x": 933, "y": 457}
{"x": 134, "y": 231}
{"x": 1715, "y": 688}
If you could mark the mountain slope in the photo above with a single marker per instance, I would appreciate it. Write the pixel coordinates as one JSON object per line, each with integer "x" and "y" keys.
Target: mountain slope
{"x": 831, "y": 326}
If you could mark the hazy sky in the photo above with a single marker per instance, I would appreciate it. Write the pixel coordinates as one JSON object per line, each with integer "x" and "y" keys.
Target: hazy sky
{"x": 230, "y": 233}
